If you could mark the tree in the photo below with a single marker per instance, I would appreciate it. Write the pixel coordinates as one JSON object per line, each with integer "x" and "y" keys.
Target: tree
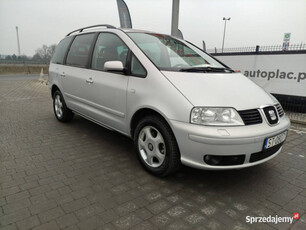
{"x": 24, "y": 58}
{"x": 44, "y": 53}
{"x": 52, "y": 50}
{"x": 8, "y": 57}
{"x": 36, "y": 57}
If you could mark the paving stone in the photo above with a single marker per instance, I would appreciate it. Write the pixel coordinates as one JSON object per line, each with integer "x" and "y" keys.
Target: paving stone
{"x": 143, "y": 213}
{"x": 126, "y": 208}
{"x": 75, "y": 205}
{"x": 127, "y": 222}
{"x": 39, "y": 189}
{"x": 89, "y": 211}
{"x": 91, "y": 223}
{"x": 8, "y": 227}
{"x": 38, "y": 198}
{"x": 17, "y": 205}
{"x": 108, "y": 216}
{"x": 299, "y": 224}
{"x": 179, "y": 224}
{"x": 47, "y": 226}
{"x": 159, "y": 206}
{"x": 17, "y": 196}
{"x": 14, "y": 217}
{"x": 145, "y": 225}
{"x": 50, "y": 214}
{"x": 108, "y": 226}
{"x": 29, "y": 185}
{"x": 13, "y": 183}
{"x": 160, "y": 220}
{"x": 42, "y": 207}
{"x": 195, "y": 218}
{"x": 66, "y": 220}
{"x": 28, "y": 223}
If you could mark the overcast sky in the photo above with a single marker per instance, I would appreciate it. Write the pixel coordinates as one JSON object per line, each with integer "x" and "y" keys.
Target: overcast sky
{"x": 253, "y": 22}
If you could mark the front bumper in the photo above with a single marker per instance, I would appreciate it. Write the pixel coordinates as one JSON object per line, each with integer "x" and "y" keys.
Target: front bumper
{"x": 197, "y": 141}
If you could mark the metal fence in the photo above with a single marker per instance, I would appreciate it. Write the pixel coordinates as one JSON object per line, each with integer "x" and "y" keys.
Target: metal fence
{"x": 23, "y": 62}
{"x": 259, "y": 49}
{"x": 295, "y": 107}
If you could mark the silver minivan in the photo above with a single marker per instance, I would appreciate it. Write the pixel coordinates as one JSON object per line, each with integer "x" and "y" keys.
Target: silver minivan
{"x": 179, "y": 104}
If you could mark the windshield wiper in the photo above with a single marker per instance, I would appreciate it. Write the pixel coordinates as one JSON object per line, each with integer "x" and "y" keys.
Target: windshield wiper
{"x": 207, "y": 69}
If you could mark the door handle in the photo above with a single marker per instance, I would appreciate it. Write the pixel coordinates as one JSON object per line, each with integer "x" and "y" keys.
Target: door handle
{"x": 63, "y": 75}
{"x": 89, "y": 81}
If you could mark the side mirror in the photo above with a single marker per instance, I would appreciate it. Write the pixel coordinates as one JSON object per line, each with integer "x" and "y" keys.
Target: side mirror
{"x": 113, "y": 66}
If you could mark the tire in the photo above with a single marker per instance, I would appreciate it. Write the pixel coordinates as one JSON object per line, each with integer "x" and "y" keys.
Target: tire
{"x": 61, "y": 112}
{"x": 156, "y": 146}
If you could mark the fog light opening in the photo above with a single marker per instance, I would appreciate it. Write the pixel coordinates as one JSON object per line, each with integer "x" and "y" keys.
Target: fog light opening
{"x": 224, "y": 160}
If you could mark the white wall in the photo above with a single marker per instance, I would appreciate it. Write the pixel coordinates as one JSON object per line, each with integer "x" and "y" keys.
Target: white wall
{"x": 280, "y": 74}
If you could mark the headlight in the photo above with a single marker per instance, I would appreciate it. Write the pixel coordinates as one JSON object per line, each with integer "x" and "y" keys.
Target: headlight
{"x": 215, "y": 116}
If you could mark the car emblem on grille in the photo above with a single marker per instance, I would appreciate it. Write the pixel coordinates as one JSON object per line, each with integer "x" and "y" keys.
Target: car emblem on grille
{"x": 272, "y": 115}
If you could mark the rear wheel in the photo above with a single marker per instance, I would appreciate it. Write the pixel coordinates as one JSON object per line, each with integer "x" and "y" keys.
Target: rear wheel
{"x": 62, "y": 113}
{"x": 156, "y": 146}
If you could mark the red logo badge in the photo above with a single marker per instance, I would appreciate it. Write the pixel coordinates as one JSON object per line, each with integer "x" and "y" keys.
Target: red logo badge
{"x": 296, "y": 215}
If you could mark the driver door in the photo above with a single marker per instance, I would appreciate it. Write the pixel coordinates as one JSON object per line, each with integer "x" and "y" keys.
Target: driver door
{"x": 107, "y": 90}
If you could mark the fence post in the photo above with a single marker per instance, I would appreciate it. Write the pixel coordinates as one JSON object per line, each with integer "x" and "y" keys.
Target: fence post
{"x": 257, "y": 49}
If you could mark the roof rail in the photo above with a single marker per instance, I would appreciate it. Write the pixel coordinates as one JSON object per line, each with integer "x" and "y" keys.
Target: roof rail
{"x": 88, "y": 27}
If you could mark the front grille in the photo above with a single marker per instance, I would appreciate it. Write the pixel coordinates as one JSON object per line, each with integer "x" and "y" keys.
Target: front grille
{"x": 250, "y": 117}
{"x": 280, "y": 110}
{"x": 265, "y": 153}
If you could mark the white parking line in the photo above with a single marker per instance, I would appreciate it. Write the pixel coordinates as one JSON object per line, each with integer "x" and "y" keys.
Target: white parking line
{"x": 300, "y": 155}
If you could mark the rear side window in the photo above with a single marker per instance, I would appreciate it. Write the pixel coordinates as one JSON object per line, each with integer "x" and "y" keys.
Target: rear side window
{"x": 60, "y": 51}
{"x": 79, "y": 51}
{"x": 109, "y": 47}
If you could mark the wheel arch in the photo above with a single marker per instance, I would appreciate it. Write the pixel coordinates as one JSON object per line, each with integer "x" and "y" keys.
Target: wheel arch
{"x": 54, "y": 88}
{"x": 141, "y": 113}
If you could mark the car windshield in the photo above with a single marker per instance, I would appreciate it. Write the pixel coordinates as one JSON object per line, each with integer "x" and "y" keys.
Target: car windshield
{"x": 171, "y": 54}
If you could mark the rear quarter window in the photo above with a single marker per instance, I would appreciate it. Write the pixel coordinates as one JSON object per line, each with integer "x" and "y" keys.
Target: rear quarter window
{"x": 60, "y": 51}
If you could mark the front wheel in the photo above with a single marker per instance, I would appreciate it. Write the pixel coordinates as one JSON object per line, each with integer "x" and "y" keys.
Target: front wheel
{"x": 62, "y": 113}
{"x": 156, "y": 146}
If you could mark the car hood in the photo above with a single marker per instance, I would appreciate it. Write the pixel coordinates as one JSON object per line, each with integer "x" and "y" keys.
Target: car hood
{"x": 220, "y": 90}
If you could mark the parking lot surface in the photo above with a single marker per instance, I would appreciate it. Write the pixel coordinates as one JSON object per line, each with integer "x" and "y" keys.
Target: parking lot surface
{"x": 82, "y": 176}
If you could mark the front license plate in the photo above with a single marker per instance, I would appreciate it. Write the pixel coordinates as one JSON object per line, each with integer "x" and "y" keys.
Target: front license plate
{"x": 272, "y": 141}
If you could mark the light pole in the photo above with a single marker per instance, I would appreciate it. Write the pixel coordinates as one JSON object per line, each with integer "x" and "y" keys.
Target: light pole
{"x": 175, "y": 17}
{"x": 18, "y": 44}
{"x": 224, "y": 19}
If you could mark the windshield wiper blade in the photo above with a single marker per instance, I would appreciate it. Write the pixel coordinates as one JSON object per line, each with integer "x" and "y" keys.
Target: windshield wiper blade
{"x": 206, "y": 69}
